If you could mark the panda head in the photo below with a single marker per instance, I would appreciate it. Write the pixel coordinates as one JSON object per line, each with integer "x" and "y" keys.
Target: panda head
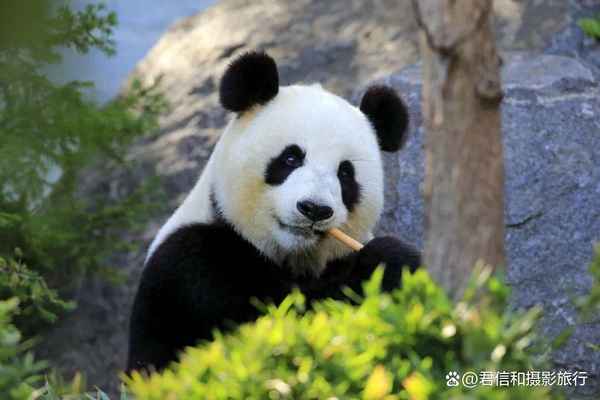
{"x": 298, "y": 160}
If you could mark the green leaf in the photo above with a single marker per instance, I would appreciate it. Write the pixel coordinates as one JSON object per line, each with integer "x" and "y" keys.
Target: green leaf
{"x": 591, "y": 26}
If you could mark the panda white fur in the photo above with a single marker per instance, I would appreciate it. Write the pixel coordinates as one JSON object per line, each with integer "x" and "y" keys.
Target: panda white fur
{"x": 294, "y": 162}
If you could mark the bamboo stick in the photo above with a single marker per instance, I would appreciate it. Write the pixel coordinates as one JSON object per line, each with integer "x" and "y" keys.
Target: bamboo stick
{"x": 347, "y": 240}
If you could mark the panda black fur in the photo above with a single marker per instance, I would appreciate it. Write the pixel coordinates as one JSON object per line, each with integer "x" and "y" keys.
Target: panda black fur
{"x": 294, "y": 162}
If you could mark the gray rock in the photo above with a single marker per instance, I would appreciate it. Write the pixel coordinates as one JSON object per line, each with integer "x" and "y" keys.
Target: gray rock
{"x": 572, "y": 41}
{"x": 341, "y": 44}
{"x": 551, "y": 128}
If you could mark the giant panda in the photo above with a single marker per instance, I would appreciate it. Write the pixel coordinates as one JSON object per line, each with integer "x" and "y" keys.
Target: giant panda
{"x": 293, "y": 162}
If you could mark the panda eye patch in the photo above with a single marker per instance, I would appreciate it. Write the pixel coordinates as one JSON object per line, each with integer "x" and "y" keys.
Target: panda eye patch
{"x": 281, "y": 166}
{"x": 350, "y": 187}
{"x": 346, "y": 170}
{"x": 293, "y": 156}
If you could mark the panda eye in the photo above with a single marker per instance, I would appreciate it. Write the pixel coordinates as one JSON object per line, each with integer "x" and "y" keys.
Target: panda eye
{"x": 293, "y": 160}
{"x": 346, "y": 170}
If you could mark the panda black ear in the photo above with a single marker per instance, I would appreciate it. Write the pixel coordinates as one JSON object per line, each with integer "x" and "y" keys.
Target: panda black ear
{"x": 249, "y": 80}
{"x": 388, "y": 115}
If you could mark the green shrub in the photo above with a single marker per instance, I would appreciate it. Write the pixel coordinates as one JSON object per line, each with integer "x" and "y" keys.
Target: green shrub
{"x": 49, "y": 134}
{"x": 56, "y": 389}
{"x": 589, "y": 305}
{"x": 52, "y": 231}
{"x": 389, "y": 346}
{"x": 22, "y": 377}
{"x": 19, "y": 372}
{"x": 37, "y": 301}
{"x": 591, "y": 26}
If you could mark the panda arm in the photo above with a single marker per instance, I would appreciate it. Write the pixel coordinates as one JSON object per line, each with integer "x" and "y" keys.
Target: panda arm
{"x": 146, "y": 349}
{"x": 394, "y": 254}
{"x": 175, "y": 307}
{"x": 186, "y": 291}
{"x": 200, "y": 278}
{"x": 353, "y": 270}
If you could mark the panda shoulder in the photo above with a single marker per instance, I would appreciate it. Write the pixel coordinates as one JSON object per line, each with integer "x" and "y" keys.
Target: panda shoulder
{"x": 193, "y": 243}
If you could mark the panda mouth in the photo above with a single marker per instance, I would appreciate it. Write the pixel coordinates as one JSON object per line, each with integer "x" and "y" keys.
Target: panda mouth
{"x": 304, "y": 231}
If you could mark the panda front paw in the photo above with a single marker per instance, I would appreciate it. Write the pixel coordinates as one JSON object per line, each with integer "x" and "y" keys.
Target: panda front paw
{"x": 393, "y": 253}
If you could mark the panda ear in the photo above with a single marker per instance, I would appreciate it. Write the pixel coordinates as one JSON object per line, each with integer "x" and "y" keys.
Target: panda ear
{"x": 249, "y": 80}
{"x": 388, "y": 115}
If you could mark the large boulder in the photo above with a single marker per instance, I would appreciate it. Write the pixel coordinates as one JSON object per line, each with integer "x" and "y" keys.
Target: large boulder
{"x": 551, "y": 128}
{"x": 343, "y": 45}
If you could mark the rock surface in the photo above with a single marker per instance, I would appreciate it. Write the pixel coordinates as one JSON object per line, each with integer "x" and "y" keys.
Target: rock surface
{"x": 344, "y": 45}
{"x": 551, "y": 128}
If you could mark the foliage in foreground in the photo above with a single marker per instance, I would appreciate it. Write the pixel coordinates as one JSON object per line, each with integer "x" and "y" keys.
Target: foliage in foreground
{"x": 589, "y": 306}
{"x": 19, "y": 373}
{"x": 38, "y": 301}
{"x": 389, "y": 346}
{"x": 396, "y": 346}
{"x": 22, "y": 377}
{"x": 591, "y": 26}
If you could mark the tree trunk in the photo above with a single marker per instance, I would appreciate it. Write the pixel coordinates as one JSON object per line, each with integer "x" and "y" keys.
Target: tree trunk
{"x": 464, "y": 169}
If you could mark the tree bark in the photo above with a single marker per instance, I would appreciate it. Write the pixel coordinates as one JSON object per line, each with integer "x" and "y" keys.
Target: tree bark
{"x": 464, "y": 167}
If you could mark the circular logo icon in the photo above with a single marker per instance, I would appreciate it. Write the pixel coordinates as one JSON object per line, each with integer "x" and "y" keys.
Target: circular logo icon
{"x": 470, "y": 379}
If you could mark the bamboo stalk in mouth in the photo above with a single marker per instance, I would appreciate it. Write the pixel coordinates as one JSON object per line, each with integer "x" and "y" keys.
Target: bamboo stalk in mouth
{"x": 347, "y": 240}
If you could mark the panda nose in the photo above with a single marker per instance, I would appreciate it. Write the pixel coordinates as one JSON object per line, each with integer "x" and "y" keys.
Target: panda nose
{"x": 314, "y": 212}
